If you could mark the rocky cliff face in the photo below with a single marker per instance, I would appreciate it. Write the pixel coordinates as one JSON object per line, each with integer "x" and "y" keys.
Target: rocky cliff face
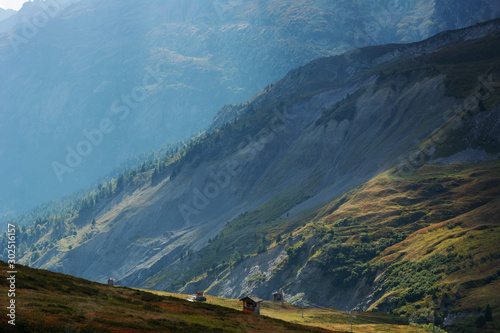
{"x": 70, "y": 68}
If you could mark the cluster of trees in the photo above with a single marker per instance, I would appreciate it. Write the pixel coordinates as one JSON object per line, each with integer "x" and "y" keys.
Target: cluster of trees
{"x": 57, "y": 217}
{"x": 348, "y": 258}
{"x": 28, "y": 239}
{"x": 348, "y": 262}
{"x": 418, "y": 277}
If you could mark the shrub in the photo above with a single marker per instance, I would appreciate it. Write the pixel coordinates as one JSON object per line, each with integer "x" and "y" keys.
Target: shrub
{"x": 149, "y": 297}
{"x": 488, "y": 315}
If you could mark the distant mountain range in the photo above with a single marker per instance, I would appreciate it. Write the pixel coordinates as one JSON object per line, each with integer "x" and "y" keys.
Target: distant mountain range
{"x": 160, "y": 70}
{"x": 366, "y": 180}
{"x": 36, "y": 12}
{"x": 6, "y": 13}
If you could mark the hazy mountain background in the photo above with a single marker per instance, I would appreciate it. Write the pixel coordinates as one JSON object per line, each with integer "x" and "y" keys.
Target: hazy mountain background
{"x": 65, "y": 75}
{"x": 37, "y": 11}
{"x": 6, "y": 13}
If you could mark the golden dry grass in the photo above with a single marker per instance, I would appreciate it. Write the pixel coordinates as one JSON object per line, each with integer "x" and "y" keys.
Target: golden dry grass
{"x": 329, "y": 319}
{"x": 53, "y": 302}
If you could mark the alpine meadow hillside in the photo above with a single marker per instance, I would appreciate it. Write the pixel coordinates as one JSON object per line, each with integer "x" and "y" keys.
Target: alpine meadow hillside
{"x": 87, "y": 85}
{"x": 54, "y": 302}
{"x": 368, "y": 180}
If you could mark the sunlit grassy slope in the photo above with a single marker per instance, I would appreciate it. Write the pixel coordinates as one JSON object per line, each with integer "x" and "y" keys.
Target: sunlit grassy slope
{"x": 449, "y": 257}
{"x": 329, "y": 319}
{"x": 53, "y": 302}
{"x": 429, "y": 241}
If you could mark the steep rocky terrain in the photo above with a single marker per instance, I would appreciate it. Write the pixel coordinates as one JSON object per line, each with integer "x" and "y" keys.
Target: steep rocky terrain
{"x": 270, "y": 199}
{"x": 66, "y": 69}
{"x": 402, "y": 244}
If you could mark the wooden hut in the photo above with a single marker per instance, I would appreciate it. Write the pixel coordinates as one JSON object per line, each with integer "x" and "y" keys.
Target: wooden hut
{"x": 278, "y": 296}
{"x": 198, "y": 297}
{"x": 251, "y": 304}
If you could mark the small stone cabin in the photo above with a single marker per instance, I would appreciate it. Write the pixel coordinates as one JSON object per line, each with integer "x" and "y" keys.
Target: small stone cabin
{"x": 111, "y": 282}
{"x": 251, "y": 304}
{"x": 278, "y": 297}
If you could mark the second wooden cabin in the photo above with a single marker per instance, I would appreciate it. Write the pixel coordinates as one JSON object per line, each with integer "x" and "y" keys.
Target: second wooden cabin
{"x": 251, "y": 304}
{"x": 279, "y": 296}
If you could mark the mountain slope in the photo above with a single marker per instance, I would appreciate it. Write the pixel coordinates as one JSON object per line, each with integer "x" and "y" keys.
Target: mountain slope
{"x": 237, "y": 210}
{"x": 51, "y": 302}
{"x": 79, "y": 67}
{"x": 417, "y": 246}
